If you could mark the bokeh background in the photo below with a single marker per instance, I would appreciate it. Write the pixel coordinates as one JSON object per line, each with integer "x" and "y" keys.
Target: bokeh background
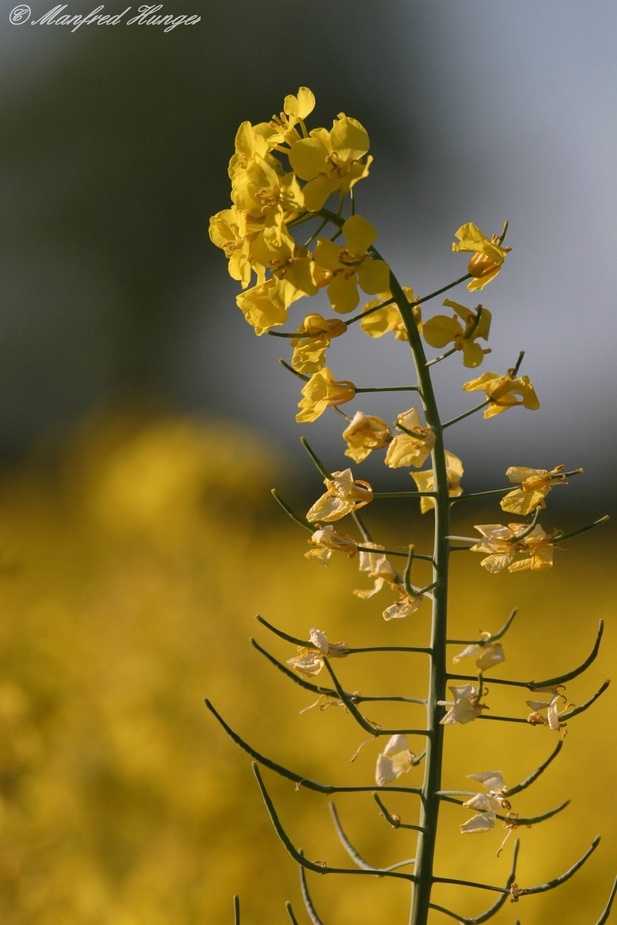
{"x": 142, "y": 424}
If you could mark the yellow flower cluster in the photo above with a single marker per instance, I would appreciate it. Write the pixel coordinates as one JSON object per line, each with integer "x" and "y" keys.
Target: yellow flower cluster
{"x": 268, "y": 200}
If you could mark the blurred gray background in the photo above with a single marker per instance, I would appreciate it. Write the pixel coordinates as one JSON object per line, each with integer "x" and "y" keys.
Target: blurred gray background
{"x": 114, "y": 154}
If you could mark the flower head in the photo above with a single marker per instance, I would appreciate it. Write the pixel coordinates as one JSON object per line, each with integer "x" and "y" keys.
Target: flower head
{"x": 331, "y": 161}
{"x": 413, "y": 446}
{"x": 535, "y": 485}
{"x": 364, "y": 434}
{"x": 504, "y": 392}
{"x": 351, "y": 265}
{"x": 466, "y": 707}
{"x": 444, "y": 329}
{"x": 344, "y": 495}
{"x": 395, "y": 760}
{"x": 514, "y": 547}
{"x": 488, "y": 255}
{"x": 322, "y": 391}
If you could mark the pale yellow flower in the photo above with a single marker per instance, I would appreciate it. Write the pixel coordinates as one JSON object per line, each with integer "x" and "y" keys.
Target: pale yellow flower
{"x": 487, "y": 804}
{"x": 514, "y": 548}
{"x": 414, "y": 445}
{"x": 486, "y": 656}
{"x": 344, "y": 495}
{"x": 504, "y": 392}
{"x": 466, "y": 707}
{"x": 425, "y": 481}
{"x": 374, "y": 561}
{"x": 309, "y": 661}
{"x": 323, "y": 391}
{"x": 396, "y": 759}
{"x": 551, "y": 718}
{"x": 535, "y": 485}
{"x": 326, "y": 540}
{"x": 364, "y": 434}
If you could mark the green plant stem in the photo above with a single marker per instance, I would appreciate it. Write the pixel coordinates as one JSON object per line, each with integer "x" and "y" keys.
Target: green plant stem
{"x": 429, "y": 809}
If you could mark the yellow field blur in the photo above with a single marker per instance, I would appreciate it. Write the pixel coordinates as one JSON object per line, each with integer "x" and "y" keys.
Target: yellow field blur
{"x": 130, "y": 578}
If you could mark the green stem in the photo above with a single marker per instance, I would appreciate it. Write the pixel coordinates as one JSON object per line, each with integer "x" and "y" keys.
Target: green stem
{"x": 429, "y": 808}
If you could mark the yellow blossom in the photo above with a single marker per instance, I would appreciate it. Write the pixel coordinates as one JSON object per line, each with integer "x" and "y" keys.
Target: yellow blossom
{"x": 486, "y": 656}
{"x": 488, "y": 257}
{"x": 276, "y": 250}
{"x": 514, "y": 547}
{"x": 504, "y": 392}
{"x": 466, "y": 707}
{"x": 309, "y": 349}
{"x": 395, "y": 760}
{"x": 443, "y": 329}
{"x": 265, "y": 193}
{"x": 295, "y": 110}
{"x": 414, "y": 445}
{"x": 535, "y": 485}
{"x": 265, "y": 305}
{"x": 380, "y": 321}
{"x": 228, "y": 230}
{"x": 309, "y": 661}
{"x": 331, "y": 161}
{"x": 322, "y": 391}
{"x": 351, "y": 265}
{"x": 425, "y": 481}
{"x": 344, "y": 494}
{"x": 551, "y": 719}
{"x": 326, "y": 540}
{"x": 364, "y": 434}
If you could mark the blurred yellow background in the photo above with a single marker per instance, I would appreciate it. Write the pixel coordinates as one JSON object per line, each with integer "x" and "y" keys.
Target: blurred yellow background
{"x": 131, "y": 573}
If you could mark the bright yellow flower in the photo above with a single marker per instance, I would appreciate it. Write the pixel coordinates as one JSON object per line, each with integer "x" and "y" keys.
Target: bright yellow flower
{"x": 295, "y": 110}
{"x": 263, "y": 191}
{"x": 386, "y": 319}
{"x": 466, "y": 706}
{"x": 321, "y": 392}
{"x": 504, "y": 392}
{"x": 344, "y": 495}
{"x": 265, "y": 305}
{"x": 309, "y": 661}
{"x": 277, "y": 251}
{"x": 425, "y": 481}
{"x": 228, "y": 230}
{"x": 331, "y": 161}
{"x": 364, "y": 434}
{"x": 443, "y": 329}
{"x": 309, "y": 353}
{"x": 395, "y": 760}
{"x": 251, "y": 141}
{"x": 414, "y": 445}
{"x": 514, "y": 548}
{"x": 326, "y": 540}
{"x": 351, "y": 265}
{"x": 535, "y": 485}
{"x": 486, "y": 656}
{"x": 488, "y": 254}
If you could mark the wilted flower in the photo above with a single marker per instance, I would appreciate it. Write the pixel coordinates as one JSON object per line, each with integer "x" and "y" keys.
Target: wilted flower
{"x": 326, "y": 540}
{"x": 514, "y": 547}
{"x": 486, "y": 655}
{"x": 551, "y": 718}
{"x": 374, "y": 561}
{"x": 535, "y": 485}
{"x": 487, "y": 804}
{"x": 344, "y": 494}
{"x": 414, "y": 445}
{"x": 466, "y": 707}
{"x": 395, "y": 760}
{"x": 310, "y": 660}
{"x": 364, "y": 434}
{"x": 425, "y": 481}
